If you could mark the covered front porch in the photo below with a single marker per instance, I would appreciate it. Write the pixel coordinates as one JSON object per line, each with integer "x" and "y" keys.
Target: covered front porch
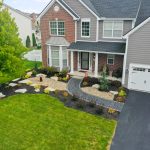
{"x": 93, "y": 60}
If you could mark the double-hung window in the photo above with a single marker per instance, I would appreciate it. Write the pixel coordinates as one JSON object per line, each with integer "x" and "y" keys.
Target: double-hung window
{"x": 57, "y": 28}
{"x": 110, "y": 59}
{"x": 55, "y": 56}
{"x": 113, "y": 29}
{"x": 85, "y": 27}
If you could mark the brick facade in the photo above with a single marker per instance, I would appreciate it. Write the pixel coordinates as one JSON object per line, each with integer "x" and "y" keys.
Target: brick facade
{"x": 103, "y": 61}
{"x": 118, "y": 63}
{"x": 62, "y": 15}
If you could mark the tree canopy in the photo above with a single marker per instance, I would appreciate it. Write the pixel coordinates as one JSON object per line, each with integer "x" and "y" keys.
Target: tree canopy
{"x": 11, "y": 46}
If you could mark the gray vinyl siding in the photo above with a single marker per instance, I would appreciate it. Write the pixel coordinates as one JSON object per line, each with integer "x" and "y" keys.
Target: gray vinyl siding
{"x": 139, "y": 48}
{"x": 127, "y": 26}
{"x": 83, "y": 13}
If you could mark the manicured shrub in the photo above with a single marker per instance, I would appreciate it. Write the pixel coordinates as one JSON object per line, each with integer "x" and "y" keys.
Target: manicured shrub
{"x": 104, "y": 83}
{"x": 49, "y": 71}
{"x": 122, "y": 93}
{"x": 37, "y": 86}
{"x": 39, "y": 46}
{"x": 116, "y": 83}
{"x": 34, "y": 40}
{"x": 29, "y": 83}
{"x": 85, "y": 83}
{"x": 28, "y": 42}
{"x": 46, "y": 91}
{"x": 99, "y": 110}
{"x": 111, "y": 111}
{"x": 117, "y": 73}
{"x": 63, "y": 73}
{"x": 65, "y": 94}
{"x": 92, "y": 104}
{"x": 120, "y": 99}
{"x": 121, "y": 88}
{"x": 80, "y": 104}
{"x": 92, "y": 81}
{"x": 74, "y": 98}
{"x": 107, "y": 69}
{"x": 34, "y": 73}
{"x": 27, "y": 76}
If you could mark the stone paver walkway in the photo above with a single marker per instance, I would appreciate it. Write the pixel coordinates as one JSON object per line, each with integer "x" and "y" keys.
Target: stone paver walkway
{"x": 74, "y": 89}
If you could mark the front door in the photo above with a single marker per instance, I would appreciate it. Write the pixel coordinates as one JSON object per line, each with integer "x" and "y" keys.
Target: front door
{"x": 85, "y": 61}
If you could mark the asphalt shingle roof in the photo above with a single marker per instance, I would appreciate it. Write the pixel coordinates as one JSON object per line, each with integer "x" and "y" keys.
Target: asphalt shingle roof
{"x": 113, "y": 47}
{"x": 64, "y": 4}
{"x": 114, "y": 8}
{"x": 144, "y": 12}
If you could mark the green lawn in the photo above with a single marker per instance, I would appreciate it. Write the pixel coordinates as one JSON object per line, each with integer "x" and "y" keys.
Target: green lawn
{"x": 31, "y": 64}
{"x": 40, "y": 122}
{"x": 26, "y": 65}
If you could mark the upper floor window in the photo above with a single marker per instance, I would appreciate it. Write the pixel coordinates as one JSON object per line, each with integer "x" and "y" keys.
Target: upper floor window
{"x": 113, "y": 29}
{"x": 57, "y": 28}
{"x": 85, "y": 25}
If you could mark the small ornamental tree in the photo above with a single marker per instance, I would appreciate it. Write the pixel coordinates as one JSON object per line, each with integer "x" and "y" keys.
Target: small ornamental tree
{"x": 34, "y": 40}
{"x": 11, "y": 46}
{"x": 104, "y": 83}
{"x": 28, "y": 42}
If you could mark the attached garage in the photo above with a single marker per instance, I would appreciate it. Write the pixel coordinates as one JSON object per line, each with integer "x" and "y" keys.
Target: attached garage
{"x": 139, "y": 77}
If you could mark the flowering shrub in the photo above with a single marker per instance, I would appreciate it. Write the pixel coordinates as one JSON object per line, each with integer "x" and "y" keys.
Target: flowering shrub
{"x": 46, "y": 91}
{"x": 29, "y": 83}
{"x": 36, "y": 87}
{"x": 27, "y": 76}
{"x": 111, "y": 111}
{"x": 122, "y": 93}
{"x": 65, "y": 94}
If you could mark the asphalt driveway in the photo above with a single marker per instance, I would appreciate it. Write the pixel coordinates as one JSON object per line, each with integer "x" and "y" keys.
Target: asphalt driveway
{"x": 133, "y": 130}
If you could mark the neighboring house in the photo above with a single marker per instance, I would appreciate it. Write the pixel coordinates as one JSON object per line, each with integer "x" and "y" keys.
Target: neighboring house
{"x": 22, "y": 21}
{"x": 36, "y": 27}
{"x": 85, "y": 35}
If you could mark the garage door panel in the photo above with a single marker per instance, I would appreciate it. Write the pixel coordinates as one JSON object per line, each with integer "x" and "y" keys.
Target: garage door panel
{"x": 139, "y": 78}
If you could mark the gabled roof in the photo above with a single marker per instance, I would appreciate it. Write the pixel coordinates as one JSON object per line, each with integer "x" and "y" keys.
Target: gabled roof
{"x": 144, "y": 12}
{"x": 143, "y": 17}
{"x": 64, "y": 5}
{"x": 101, "y": 47}
{"x": 114, "y": 8}
{"x": 17, "y": 11}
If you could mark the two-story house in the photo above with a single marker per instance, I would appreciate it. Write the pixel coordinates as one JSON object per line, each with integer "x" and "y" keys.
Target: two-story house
{"x": 85, "y": 35}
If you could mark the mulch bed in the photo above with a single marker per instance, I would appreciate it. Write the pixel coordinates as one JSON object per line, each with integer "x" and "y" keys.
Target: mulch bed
{"x": 69, "y": 101}
{"x": 92, "y": 81}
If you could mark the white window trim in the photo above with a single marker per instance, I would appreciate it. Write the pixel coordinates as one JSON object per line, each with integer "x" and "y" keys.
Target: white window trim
{"x": 86, "y": 20}
{"x": 111, "y": 58}
{"x": 56, "y": 28}
{"x": 112, "y": 30}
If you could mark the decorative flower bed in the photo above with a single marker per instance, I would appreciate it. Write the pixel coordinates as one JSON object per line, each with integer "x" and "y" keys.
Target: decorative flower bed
{"x": 62, "y": 95}
{"x": 115, "y": 90}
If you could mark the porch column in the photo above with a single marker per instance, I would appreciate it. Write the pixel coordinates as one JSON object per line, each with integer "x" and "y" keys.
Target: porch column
{"x": 60, "y": 58}
{"x": 96, "y": 64}
{"x": 49, "y": 56}
{"x": 72, "y": 62}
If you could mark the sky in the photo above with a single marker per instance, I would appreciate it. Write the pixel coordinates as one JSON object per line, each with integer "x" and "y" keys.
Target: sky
{"x": 29, "y": 6}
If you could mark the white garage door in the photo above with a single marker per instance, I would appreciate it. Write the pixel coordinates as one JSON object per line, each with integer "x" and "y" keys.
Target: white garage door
{"x": 139, "y": 77}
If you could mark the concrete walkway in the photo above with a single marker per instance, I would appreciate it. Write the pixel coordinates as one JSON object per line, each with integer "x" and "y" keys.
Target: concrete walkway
{"x": 74, "y": 89}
